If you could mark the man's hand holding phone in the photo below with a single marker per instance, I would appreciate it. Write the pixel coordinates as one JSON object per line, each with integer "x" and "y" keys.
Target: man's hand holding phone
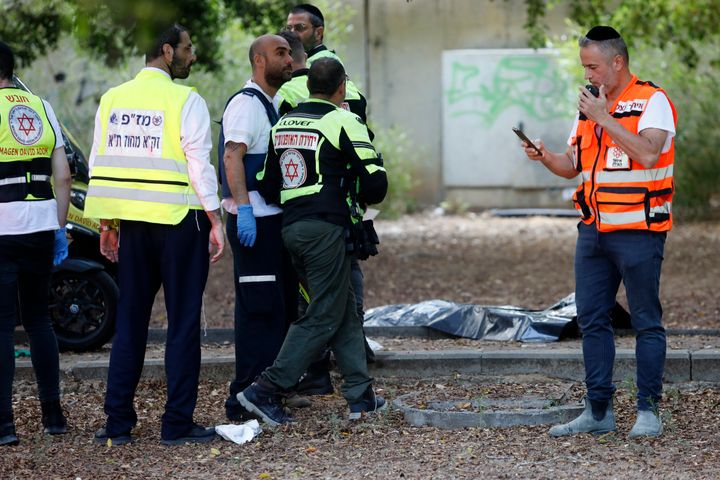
{"x": 534, "y": 152}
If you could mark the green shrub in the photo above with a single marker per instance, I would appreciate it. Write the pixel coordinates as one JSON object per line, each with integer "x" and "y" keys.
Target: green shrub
{"x": 394, "y": 145}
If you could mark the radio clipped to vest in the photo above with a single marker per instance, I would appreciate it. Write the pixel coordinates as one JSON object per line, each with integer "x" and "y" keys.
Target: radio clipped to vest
{"x": 362, "y": 239}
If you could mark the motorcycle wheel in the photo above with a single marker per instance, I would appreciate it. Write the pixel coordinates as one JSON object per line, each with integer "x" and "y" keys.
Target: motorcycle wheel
{"x": 82, "y": 309}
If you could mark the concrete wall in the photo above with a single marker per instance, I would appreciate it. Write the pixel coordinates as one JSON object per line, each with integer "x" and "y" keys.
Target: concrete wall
{"x": 402, "y": 42}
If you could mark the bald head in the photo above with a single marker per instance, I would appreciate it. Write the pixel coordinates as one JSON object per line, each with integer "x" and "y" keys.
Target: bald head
{"x": 270, "y": 60}
{"x": 264, "y": 45}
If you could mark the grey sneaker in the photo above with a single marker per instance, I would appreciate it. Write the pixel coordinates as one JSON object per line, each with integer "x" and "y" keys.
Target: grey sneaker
{"x": 586, "y": 423}
{"x": 369, "y": 403}
{"x": 647, "y": 425}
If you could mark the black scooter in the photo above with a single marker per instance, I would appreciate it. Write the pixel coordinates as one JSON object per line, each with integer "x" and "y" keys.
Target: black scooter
{"x": 83, "y": 288}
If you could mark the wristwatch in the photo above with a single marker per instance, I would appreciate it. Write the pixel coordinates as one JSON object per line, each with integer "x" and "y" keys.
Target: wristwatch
{"x": 106, "y": 228}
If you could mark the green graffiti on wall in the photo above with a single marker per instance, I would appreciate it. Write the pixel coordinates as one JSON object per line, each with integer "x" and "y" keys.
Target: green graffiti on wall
{"x": 530, "y": 82}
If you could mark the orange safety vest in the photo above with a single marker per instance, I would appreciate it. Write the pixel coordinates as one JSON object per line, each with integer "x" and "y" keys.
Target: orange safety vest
{"x": 616, "y": 192}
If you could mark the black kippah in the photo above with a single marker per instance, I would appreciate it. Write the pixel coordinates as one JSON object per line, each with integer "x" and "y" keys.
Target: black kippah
{"x": 311, "y": 9}
{"x": 602, "y": 32}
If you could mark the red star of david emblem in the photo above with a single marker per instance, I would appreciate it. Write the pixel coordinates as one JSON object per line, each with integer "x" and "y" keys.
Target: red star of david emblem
{"x": 23, "y": 128}
{"x": 294, "y": 174}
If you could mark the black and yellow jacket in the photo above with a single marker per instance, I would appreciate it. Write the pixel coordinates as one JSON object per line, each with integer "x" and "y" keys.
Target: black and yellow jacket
{"x": 316, "y": 152}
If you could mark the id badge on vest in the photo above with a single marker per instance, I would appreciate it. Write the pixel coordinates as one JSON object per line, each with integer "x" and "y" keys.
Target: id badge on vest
{"x": 616, "y": 159}
{"x": 134, "y": 132}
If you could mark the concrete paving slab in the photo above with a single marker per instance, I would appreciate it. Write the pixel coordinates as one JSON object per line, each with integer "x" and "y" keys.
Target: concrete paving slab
{"x": 427, "y": 363}
{"x": 562, "y": 363}
{"x": 24, "y": 370}
{"x": 706, "y": 365}
{"x": 677, "y": 365}
{"x": 680, "y": 366}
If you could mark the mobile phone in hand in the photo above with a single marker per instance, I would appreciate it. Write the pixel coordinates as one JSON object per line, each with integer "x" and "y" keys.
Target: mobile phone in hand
{"x": 525, "y": 139}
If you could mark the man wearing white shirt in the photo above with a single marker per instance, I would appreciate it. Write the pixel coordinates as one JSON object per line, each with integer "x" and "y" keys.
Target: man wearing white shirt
{"x": 150, "y": 170}
{"x": 622, "y": 145}
{"x": 264, "y": 280}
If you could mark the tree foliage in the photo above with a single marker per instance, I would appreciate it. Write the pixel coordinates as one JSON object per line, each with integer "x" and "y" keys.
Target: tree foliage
{"x": 113, "y": 30}
{"x": 684, "y": 25}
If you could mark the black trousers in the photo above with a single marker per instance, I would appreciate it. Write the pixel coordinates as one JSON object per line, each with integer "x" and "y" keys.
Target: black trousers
{"x": 25, "y": 267}
{"x": 176, "y": 257}
{"x": 266, "y": 292}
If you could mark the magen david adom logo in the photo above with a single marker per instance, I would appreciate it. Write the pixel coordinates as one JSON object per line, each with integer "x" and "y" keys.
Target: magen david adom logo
{"x": 293, "y": 168}
{"x": 25, "y": 124}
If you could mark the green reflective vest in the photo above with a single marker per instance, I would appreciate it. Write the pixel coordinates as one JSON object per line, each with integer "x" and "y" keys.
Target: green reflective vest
{"x": 322, "y": 51}
{"x": 296, "y": 91}
{"x": 140, "y": 170}
{"x": 27, "y": 141}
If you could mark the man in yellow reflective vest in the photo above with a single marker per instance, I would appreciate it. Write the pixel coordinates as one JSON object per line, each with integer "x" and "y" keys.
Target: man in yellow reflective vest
{"x": 32, "y": 238}
{"x": 150, "y": 170}
{"x": 622, "y": 145}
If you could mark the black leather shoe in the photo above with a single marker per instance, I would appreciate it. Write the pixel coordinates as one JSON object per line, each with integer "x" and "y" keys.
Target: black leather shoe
{"x": 7, "y": 434}
{"x": 197, "y": 434}
{"x": 53, "y": 418}
{"x": 101, "y": 437}
{"x": 236, "y": 412}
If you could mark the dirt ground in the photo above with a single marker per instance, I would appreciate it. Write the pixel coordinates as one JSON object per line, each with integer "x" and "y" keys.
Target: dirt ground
{"x": 481, "y": 259}
{"x": 472, "y": 259}
{"x": 322, "y": 445}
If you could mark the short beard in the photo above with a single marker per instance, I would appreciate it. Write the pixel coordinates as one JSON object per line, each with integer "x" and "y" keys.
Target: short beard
{"x": 278, "y": 78}
{"x": 178, "y": 70}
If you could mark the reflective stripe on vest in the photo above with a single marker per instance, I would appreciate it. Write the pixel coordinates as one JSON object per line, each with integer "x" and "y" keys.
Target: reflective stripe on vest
{"x": 616, "y": 192}
{"x": 634, "y": 176}
{"x": 27, "y": 141}
{"x": 171, "y": 198}
{"x": 140, "y": 171}
{"x": 637, "y": 216}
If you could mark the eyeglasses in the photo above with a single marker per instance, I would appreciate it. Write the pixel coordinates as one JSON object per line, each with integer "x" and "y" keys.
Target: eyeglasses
{"x": 298, "y": 27}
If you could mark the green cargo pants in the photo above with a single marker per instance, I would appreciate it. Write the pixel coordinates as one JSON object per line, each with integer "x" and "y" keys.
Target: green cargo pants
{"x": 318, "y": 253}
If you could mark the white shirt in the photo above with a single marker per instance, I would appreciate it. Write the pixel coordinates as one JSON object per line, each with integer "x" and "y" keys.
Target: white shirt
{"x": 17, "y": 218}
{"x": 657, "y": 114}
{"x": 245, "y": 121}
{"x": 196, "y": 142}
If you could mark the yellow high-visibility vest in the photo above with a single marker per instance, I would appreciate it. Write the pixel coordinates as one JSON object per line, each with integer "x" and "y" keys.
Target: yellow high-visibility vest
{"x": 27, "y": 141}
{"x": 140, "y": 170}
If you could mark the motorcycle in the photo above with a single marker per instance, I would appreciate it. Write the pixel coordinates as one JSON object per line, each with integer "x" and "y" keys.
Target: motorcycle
{"x": 83, "y": 288}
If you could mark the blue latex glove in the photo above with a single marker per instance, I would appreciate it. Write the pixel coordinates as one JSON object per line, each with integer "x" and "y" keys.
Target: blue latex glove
{"x": 246, "y": 227}
{"x": 60, "y": 250}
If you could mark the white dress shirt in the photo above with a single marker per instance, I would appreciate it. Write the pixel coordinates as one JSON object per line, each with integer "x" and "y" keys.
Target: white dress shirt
{"x": 196, "y": 142}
